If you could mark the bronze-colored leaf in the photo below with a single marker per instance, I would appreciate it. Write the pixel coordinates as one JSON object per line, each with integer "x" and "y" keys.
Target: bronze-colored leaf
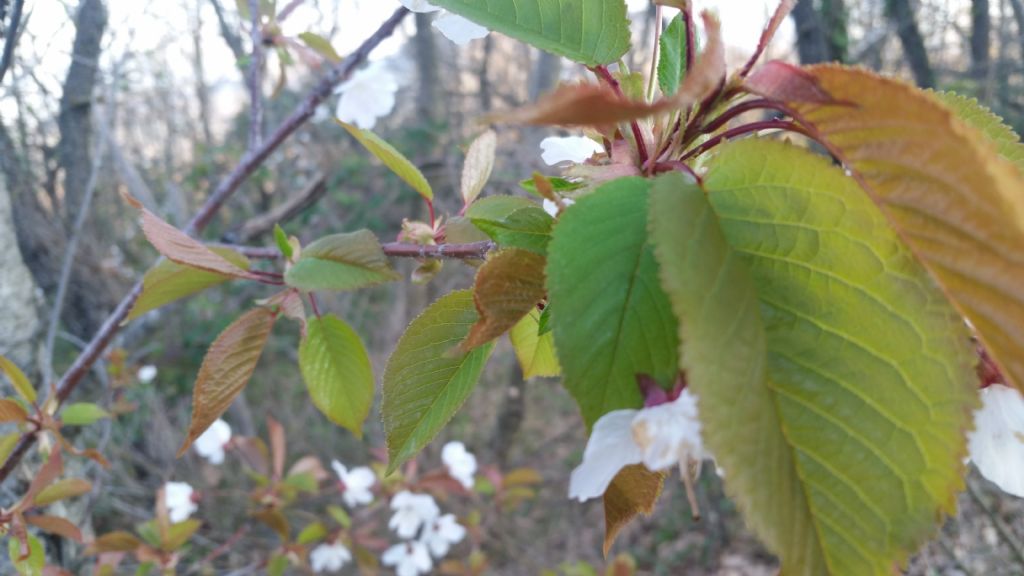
{"x": 788, "y": 83}
{"x": 276, "y": 520}
{"x": 56, "y": 525}
{"x": 508, "y": 286}
{"x": 119, "y": 541}
{"x": 634, "y": 491}
{"x": 227, "y": 367}
{"x": 11, "y": 411}
{"x": 47, "y": 473}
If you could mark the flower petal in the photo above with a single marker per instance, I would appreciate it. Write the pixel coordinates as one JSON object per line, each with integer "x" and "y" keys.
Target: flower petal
{"x": 609, "y": 449}
{"x": 458, "y": 29}
{"x": 997, "y": 443}
{"x": 575, "y": 149}
{"x": 669, "y": 433}
{"x": 421, "y": 6}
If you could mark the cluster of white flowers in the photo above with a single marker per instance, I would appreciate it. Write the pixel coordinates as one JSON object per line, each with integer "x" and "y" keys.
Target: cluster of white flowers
{"x": 213, "y": 441}
{"x": 461, "y": 463}
{"x": 356, "y": 484}
{"x": 454, "y": 27}
{"x": 179, "y": 499}
{"x": 419, "y": 514}
{"x": 996, "y": 445}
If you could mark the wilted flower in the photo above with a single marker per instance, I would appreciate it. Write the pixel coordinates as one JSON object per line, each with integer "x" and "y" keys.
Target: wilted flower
{"x": 461, "y": 463}
{"x": 178, "y": 500}
{"x": 211, "y": 443}
{"x": 659, "y": 436}
{"x": 411, "y": 512}
{"x": 441, "y": 533}
{"x": 454, "y": 27}
{"x": 356, "y": 484}
{"x": 146, "y": 374}
{"x": 408, "y": 558}
{"x": 574, "y": 149}
{"x": 552, "y": 208}
{"x": 329, "y": 557}
{"x": 996, "y": 445}
{"x": 367, "y": 96}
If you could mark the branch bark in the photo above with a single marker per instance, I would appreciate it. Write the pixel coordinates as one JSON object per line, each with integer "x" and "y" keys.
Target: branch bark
{"x": 810, "y": 33}
{"x": 11, "y": 39}
{"x": 902, "y": 15}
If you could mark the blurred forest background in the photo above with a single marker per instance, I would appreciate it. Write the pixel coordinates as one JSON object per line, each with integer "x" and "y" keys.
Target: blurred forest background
{"x": 148, "y": 97}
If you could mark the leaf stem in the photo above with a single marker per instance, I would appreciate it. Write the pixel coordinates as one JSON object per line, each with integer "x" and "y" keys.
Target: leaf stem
{"x": 470, "y": 251}
{"x": 753, "y": 127}
{"x": 641, "y": 146}
{"x": 313, "y": 303}
{"x": 655, "y": 55}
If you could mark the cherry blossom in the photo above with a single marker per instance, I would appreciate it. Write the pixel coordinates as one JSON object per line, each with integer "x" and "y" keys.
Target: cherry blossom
{"x": 996, "y": 444}
{"x": 146, "y": 374}
{"x": 329, "y": 557}
{"x": 441, "y": 533}
{"x": 574, "y": 149}
{"x": 411, "y": 512}
{"x": 179, "y": 500}
{"x": 409, "y": 558}
{"x": 211, "y": 443}
{"x": 461, "y": 463}
{"x": 356, "y": 484}
{"x": 658, "y": 436}
{"x": 454, "y": 27}
{"x": 552, "y": 208}
{"x": 368, "y": 95}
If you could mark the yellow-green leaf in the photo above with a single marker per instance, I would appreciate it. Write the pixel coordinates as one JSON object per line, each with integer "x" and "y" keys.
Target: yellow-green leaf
{"x": 479, "y": 164}
{"x": 179, "y": 533}
{"x": 169, "y": 281}
{"x": 62, "y": 489}
{"x": 30, "y": 564}
{"x": 392, "y": 158}
{"x": 508, "y": 286}
{"x": 82, "y": 414}
{"x": 535, "y": 351}
{"x": 320, "y": 45}
{"x": 312, "y": 533}
{"x": 974, "y": 114}
{"x": 18, "y": 379}
{"x": 337, "y": 372}
{"x": 341, "y": 262}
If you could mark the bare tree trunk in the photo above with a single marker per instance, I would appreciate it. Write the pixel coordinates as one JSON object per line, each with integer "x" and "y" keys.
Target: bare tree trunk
{"x": 545, "y": 74}
{"x": 19, "y": 318}
{"x": 835, "y": 16}
{"x": 902, "y": 15}
{"x": 981, "y": 45}
{"x": 1018, "y": 15}
{"x": 427, "y": 66}
{"x": 486, "y": 97}
{"x": 202, "y": 94}
{"x": 810, "y": 33}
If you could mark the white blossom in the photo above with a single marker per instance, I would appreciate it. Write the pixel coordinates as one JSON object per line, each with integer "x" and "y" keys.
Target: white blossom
{"x": 658, "y": 437}
{"x": 461, "y": 463}
{"x": 211, "y": 443}
{"x": 329, "y": 557}
{"x": 409, "y": 558}
{"x": 441, "y": 533}
{"x": 368, "y": 95}
{"x": 411, "y": 512}
{"x": 146, "y": 374}
{"x": 179, "y": 502}
{"x": 454, "y": 27}
{"x": 997, "y": 443}
{"x": 356, "y": 484}
{"x": 574, "y": 149}
{"x": 552, "y": 208}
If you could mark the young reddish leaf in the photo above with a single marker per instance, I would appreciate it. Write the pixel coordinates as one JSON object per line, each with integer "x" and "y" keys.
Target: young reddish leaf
{"x": 508, "y": 286}
{"x": 337, "y": 372}
{"x": 947, "y": 191}
{"x": 479, "y": 164}
{"x": 781, "y": 11}
{"x": 392, "y": 158}
{"x": 341, "y": 262}
{"x": 309, "y": 465}
{"x": 47, "y": 473}
{"x": 56, "y": 525}
{"x": 782, "y": 81}
{"x": 119, "y": 541}
{"x": 227, "y": 367}
{"x": 535, "y": 351}
{"x": 18, "y": 379}
{"x": 289, "y": 303}
{"x": 11, "y": 411}
{"x": 634, "y": 491}
{"x": 67, "y": 488}
{"x": 169, "y": 281}
{"x": 320, "y": 45}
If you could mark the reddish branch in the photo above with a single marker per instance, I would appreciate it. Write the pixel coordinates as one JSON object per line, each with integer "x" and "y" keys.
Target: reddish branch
{"x": 641, "y": 145}
{"x": 228, "y": 186}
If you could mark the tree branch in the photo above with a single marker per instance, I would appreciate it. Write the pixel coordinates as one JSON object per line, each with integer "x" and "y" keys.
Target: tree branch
{"x": 246, "y": 166}
{"x": 256, "y": 76}
{"x": 471, "y": 251}
{"x": 11, "y": 39}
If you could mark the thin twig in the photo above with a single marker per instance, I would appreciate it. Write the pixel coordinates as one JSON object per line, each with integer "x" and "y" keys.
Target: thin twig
{"x": 12, "y": 38}
{"x": 470, "y": 251}
{"x": 246, "y": 166}
{"x": 256, "y": 76}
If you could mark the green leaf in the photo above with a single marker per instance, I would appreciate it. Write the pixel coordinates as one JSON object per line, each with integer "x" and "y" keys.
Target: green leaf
{"x": 303, "y": 482}
{"x": 312, "y": 533}
{"x": 341, "y": 262}
{"x": 535, "y": 351}
{"x": 870, "y": 371}
{"x": 277, "y": 565}
{"x": 18, "y": 379}
{"x": 672, "y": 59}
{"x": 974, "y": 114}
{"x": 32, "y": 565}
{"x": 320, "y": 45}
{"x": 337, "y": 372}
{"x": 281, "y": 239}
{"x": 592, "y": 32}
{"x": 62, "y": 489}
{"x": 7, "y": 443}
{"x": 179, "y": 533}
{"x": 426, "y": 381}
{"x": 513, "y": 222}
{"x": 82, "y": 414}
{"x": 611, "y": 319}
{"x": 169, "y": 281}
{"x": 340, "y": 516}
{"x": 559, "y": 185}
{"x": 392, "y": 158}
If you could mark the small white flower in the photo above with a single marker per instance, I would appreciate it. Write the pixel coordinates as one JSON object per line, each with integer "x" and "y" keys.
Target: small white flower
{"x": 408, "y": 558}
{"x": 461, "y": 463}
{"x": 997, "y": 443}
{"x": 146, "y": 374}
{"x": 659, "y": 437}
{"x": 454, "y": 27}
{"x": 441, "y": 534}
{"x": 210, "y": 444}
{"x": 368, "y": 95}
{"x": 329, "y": 557}
{"x": 411, "y": 512}
{"x": 356, "y": 484}
{"x": 574, "y": 149}
{"x": 178, "y": 500}
{"x": 552, "y": 208}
